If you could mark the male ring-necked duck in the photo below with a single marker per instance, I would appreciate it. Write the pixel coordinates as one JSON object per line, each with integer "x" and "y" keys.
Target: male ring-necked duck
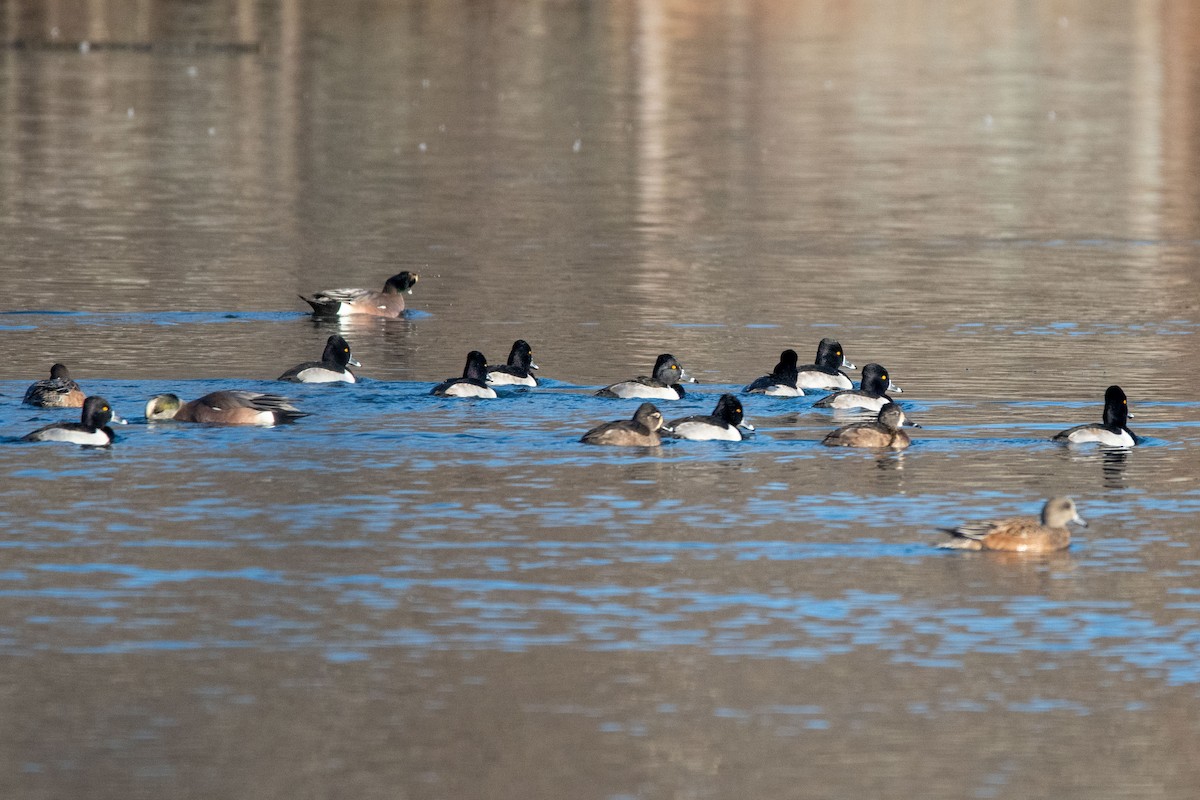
{"x": 871, "y": 393}
{"x": 782, "y": 380}
{"x": 519, "y": 369}
{"x": 92, "y": 428}
{"x": 721, "y": 425}
{"x": 473, "y": 382}
{"x": 1113, "y": 432}
{"x": 1020, "y": 534}
{"x": 641, "y": 431}
{"x": 330, "y": 369}
{"x": 826, "y": 372}
{"x": 883, "y": 432}
{"x": 225, "y": 408}
{"x": 664, "y": 384}
{"x": 57, "y": 391}
{"x": 386, "y": 303}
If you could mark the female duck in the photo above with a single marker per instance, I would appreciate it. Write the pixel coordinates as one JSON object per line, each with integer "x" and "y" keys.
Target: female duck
{"x": 782, "y": 380}
{"x": 330, "y": 369}
{"x": 871, "y": 393}
{"x": 721, "y": 425}
{"x": 826, "y": 373}
{"x": 225, "y": 408}
{"x": 57, "y": 391}
{"x": 519, "y": 369}
{"x": 1113, "y": 432}
{"x": 882, "y": 433}
{"x": 386, "y": 303}
{"x": 1020, "y": 534}
{"x": 92, "y": 428}
{"x": 664, "y": 384}
{"x": 471, "y": 384}
{"x": 641, "y": 431}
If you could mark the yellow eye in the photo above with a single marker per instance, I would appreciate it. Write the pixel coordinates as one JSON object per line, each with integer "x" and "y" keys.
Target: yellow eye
{"x": 104, "y": 408}
{"x": 345, "y": 349}
{"x": 673, "y": 366}
{"x": 839, "y": 352}
{"x": 885, "y": 377}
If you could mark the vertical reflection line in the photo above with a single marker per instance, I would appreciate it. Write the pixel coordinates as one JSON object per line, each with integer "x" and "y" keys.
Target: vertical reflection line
{"x": 651, "y": 105}
{"x": 1147, "y": 123}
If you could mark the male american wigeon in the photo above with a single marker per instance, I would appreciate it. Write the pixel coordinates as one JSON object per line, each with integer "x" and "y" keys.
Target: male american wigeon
{"x": 473, "y": 382}
{"x": 1112, "y": 432}
{"x": 641, "y": 431}
{"x": 782, "y": 380}
{"x": 386, "y": 303}
{"x": 870, "y": 395}
{"x": 92, "y": 428}
{"x": 826, "y": 373}
{"x": 228, "y": 407}
{"x": 663, "y": 384}
{"x": 721, "y": 425}
{"x": 883, "y": 432}
{"x": 1020, "y": 534}
{"x": 57, "y": 391}
{"x": 519, "y": 369}
{"x": 330, "y": 369}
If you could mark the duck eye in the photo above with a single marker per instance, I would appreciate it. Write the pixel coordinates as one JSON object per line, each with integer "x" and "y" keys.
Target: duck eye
{"x": 674, "y": 366}
{"x": 104, "y": 408}
{"x": 885, "y": 377}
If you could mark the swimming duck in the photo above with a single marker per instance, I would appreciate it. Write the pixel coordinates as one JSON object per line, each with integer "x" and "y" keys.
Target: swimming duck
{"x": 883, "y": 432}
{"x": 663, "y": 384}
{"x": 721, "y": 425}
{"x": 1020, "y": 534}
{"x": 225, "y": 407}
{"x": 826, "y": 372}
{"x": 641, "y": 431}
{"x": 57, "y": 391}
{"x": 92, "y": 428}
{"x": 518, "y": 370}
{"x": 386, "y": 303}
{"x": 871, "y": 393}
{"x": 330, "y": 369}
{"x": 471, "y": 384}
{"x": 782, "y": 380}
{"x": 1112, "y": 432}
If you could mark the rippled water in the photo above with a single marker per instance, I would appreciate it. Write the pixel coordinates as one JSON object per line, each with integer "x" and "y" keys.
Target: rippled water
{"x": 401, "y": 595}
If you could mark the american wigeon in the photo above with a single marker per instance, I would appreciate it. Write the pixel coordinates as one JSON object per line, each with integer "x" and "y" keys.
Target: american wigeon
{"x": 92, "y": 428}
{"x": 782, "y": 380}
{"x": 473, "y": 382}
{"x": 721, "y": 425}
{"x": 826, "y": 372}
{"x": 641, "y": 431}
{"x": 386, "y": 303}
{"x": 663, "y": 384}
{"x": 228, "y": 407}
{"x": 1112, "y": 432}
{"x": 57, "y": 391}
{"x": 519, "y": 369}
{"x": 883, "y": 432}
{"x": 1020, "y": 534}
{"x": 871, "y": 393}
{"x": 330, "y": 369}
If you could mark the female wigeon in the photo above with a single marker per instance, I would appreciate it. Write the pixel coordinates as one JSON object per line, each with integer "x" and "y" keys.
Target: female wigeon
{"x": 663, "y": 384}
{"x": 519, "y": 369}
{"x": 225, "y": 408}
{"x": 721, "y": 425}
{"x": 386, "y": 303}
{"x": 1112, "y": 432}
{"x": 473, "y": 382}
{"x": 92, "y": 428}
{"x": 57, "y": 391}
{"x": 782, "y": 380}
{"x": 1020, "y": 534}
{"x": 826, "y": 372}
{"x": 871, "y": 393}
{"x": 330, "y": 369}
{"x": 883, "y": 432}
{"x": 641, "y": 431}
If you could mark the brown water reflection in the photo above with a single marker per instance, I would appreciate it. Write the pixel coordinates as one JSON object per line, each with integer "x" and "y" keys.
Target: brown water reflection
{"x": 400, "y": 597}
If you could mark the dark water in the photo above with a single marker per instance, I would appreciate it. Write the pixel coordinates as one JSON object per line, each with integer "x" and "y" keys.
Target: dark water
{"x": 403, "y": 596}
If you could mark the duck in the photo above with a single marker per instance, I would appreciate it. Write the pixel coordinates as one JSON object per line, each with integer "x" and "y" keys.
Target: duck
{"x": 386, "y": 303}
{"x": 473, "y": 382}
{"x": 782, "y": 380}
{"x": 883, "y": 432}
{"x": 721, "y": 425}
{"x": 1020, "y": 534}
{"x": 330, "y": 369}
{"x": 663, "y": 384}
{"x": 1112, "y": 432}
{"x": 57, "y": 391}
{"x": 640, "y": 431}
{"x": 92, "y": 428}
{"x": 871, "y": 393}
{"x": 826, "y": 372}
{"x": 519, "y": 369}
{"x": 229, "y": 407}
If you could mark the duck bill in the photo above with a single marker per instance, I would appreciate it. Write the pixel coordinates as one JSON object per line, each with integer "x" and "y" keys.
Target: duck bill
{"x": 118, "y": 420}
{"x": 894, "y": 388}
{"x": 533, "y": 365}
{"x": 684, "y": 377}
{"x": 354, "y": 362}
{"x": 1080, "y": 521}
{"x": 847, "y": 363}
{"x": 745, "y": 425}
